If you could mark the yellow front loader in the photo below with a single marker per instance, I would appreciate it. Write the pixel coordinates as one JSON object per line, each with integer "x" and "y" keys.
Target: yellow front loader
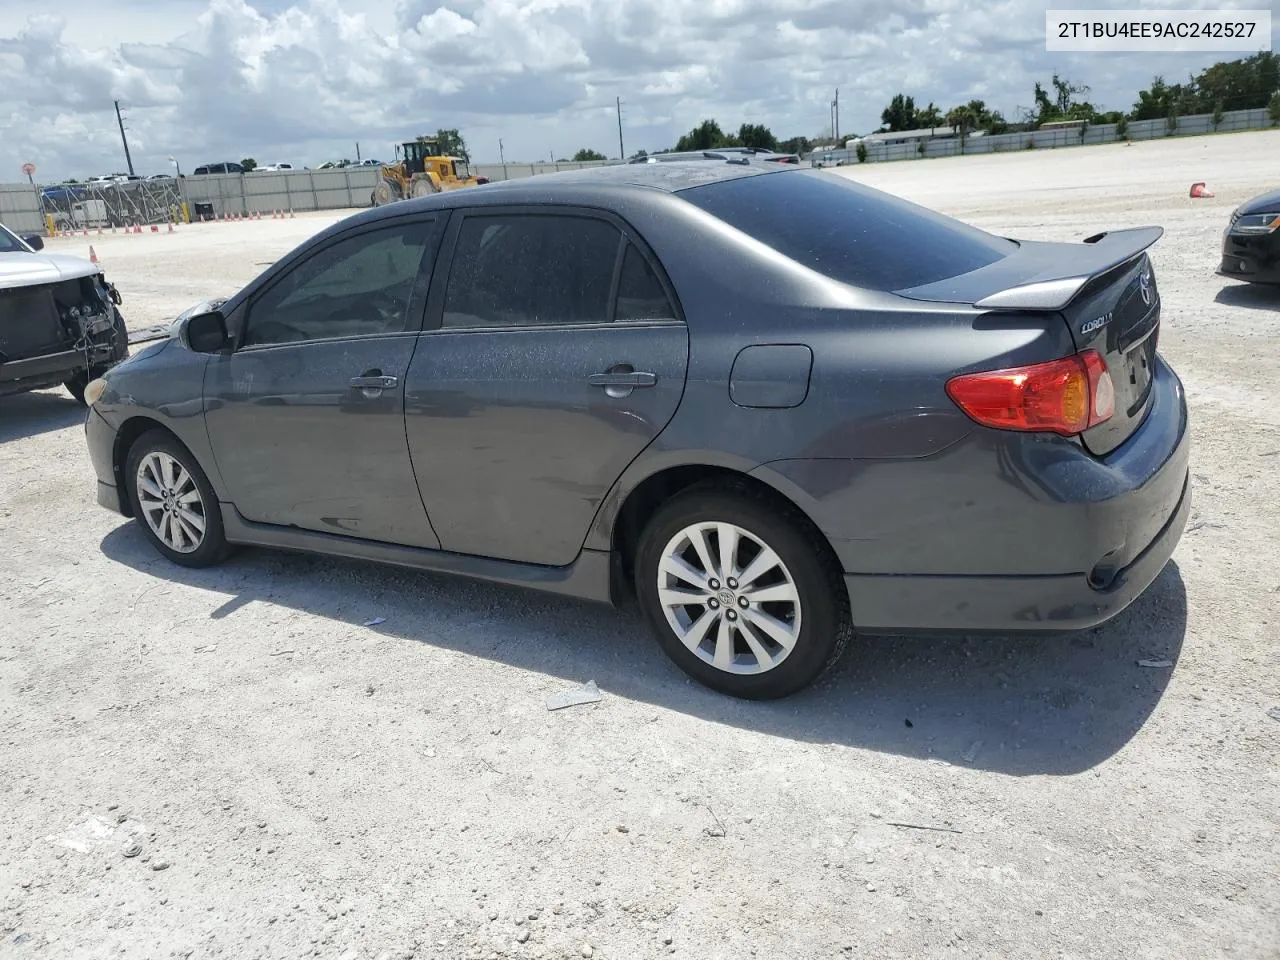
{"x": 424, "y": 170}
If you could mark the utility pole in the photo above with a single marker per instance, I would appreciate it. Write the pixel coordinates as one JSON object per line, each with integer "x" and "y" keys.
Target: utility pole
{"x": 835, "y": 117}
{"x": 123, "y": 138}
{"x": 502, "y": 157}
{"x": 622, "y": 154}
{"x": 357, "y": 151}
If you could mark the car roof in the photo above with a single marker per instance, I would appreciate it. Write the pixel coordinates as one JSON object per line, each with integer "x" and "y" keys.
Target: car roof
{"x": 670, "y": 177}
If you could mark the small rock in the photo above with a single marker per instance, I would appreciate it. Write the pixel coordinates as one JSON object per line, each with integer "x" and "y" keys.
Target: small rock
{"x": 160, "y": 865}
{"x": 132, "y": 850}
{"x": 523, "y": 936}
{"x": 368, "y": 691}
{"x": 666, "y": 941}
{"x": 622, "y": 828}
{"x": 1274, "y": 713}
{"x": 871, "y": 888}
{"x": 533, "y": 914}
{"x": 586, "y": 949}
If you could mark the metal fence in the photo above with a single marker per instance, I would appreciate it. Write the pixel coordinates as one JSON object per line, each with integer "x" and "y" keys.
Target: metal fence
{"x": 1190, "y": 125}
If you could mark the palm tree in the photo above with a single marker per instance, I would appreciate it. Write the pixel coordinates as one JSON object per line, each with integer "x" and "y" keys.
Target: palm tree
{"x": 962, "y": 119}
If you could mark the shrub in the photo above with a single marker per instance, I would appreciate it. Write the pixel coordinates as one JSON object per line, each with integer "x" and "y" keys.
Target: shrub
{"x": 862, "y": 153}
{"x": 1217, "y": 114}
{"x": 1122, "y": 129}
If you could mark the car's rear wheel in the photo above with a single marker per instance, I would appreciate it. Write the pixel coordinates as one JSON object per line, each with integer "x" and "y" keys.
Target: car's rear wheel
{"x": 740, "y": 593}
{"x": 174, "y": 502}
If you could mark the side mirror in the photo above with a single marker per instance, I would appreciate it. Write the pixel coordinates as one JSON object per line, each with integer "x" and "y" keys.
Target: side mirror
{"x": 35, "y": 242}
{"x": 204, "y": 332}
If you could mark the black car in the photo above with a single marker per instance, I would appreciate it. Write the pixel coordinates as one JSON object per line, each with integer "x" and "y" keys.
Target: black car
{"x": 1251, "y": 243}
{"x": 58, "y": 319}
{"x": 771, "y": 403}
{"x": 214, "y": 168}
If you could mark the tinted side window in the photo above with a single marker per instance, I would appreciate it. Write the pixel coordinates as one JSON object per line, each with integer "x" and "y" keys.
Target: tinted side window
{"x": 527, "y": 269}
{"x": 361, "y": 286}
{"x": 848, "y": 231}
{"x": 640, "y": 294}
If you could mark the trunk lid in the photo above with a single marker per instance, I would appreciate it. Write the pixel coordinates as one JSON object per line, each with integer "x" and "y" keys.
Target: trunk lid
{"x": 1104, "y": 289}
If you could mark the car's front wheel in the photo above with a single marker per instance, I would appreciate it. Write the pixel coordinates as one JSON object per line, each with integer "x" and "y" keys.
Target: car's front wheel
{"x": 174, "y": 502}
{"x": 740, "y": 593}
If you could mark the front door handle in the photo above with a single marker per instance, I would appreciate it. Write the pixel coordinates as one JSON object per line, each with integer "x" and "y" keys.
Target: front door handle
{"x": 373, "y": 382}
{"x": 634, "y": 378}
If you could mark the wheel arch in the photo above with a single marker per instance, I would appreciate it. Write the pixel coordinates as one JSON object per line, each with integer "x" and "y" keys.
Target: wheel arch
{"x": 630, "y": 505}
{"x": 127, "y": 435}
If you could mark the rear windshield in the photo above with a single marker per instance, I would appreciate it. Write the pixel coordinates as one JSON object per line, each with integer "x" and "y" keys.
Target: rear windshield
{"x": 847, "y": 231}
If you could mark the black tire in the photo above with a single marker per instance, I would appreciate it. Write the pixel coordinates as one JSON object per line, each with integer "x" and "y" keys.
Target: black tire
{"x": 213, "y": 546}
{"x": 825, "y": 624}
{"x": 75, "y": 386}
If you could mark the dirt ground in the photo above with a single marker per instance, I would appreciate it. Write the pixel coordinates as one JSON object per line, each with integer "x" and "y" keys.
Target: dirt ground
{"x": 303, "y": 784}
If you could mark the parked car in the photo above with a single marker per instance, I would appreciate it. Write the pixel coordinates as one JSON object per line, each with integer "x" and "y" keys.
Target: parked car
{"x": 692, "y": 382}
{"x": 59, "y": 322}
{"x": 719, "y": 153}
{"x": 274, "y": 167}
{"x": 1251, "y": 242}
{"x": 212, "y": 168}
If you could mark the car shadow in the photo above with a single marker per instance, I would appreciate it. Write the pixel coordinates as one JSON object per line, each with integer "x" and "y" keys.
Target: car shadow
{"x": 1053, "y": 705}
{"x": 43, "y": 411}
{"x": 1252, "y": 296}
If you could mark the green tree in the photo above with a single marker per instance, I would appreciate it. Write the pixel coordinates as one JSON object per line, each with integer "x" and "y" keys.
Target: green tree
{"x": 249, "y": 163}
{"x": 964, "y": 120}
{"x": 705, "y": 136}
{"x": 451, "y": 144}
{"x": 900, "y": 114}
{"x": 1218, "y": 113}
{"x": 796, "y": 145}
{"x": 639, "y": 154}
{"x": 757, "y": 135}
{"x": 929, "y": 117}
{"x": 586, "y": 153}
{"x": 861, "y": 152}
{"x": 1122, "y": 128}
{"x": 1273, "y": 109}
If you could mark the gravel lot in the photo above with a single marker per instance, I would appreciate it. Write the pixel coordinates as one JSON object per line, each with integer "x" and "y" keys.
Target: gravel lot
{"x": 301, "y": 784}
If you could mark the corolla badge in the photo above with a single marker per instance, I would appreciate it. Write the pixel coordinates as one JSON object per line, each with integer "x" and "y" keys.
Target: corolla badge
{"x": 1097, "y": 323}
{"x": 1144, "y": 284}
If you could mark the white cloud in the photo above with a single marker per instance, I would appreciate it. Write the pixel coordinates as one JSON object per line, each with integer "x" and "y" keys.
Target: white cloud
{"x": 301, "y": 80}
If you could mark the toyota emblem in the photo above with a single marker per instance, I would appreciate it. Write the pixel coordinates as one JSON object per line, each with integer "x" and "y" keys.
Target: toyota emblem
{"x": 1144, "y": 284}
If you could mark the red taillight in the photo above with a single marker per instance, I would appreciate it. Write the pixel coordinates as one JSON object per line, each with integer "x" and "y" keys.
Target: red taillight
{"x": 1066, "y": 396}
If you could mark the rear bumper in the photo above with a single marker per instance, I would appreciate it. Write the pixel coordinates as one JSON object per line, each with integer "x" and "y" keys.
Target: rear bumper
{"x": 887, "y": 604}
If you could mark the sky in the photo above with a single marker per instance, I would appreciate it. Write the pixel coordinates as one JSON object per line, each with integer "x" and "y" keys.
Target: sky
{"x": 304, "y": 81}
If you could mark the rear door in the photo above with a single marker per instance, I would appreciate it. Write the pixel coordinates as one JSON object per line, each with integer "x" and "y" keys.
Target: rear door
{"x": 557, "y": 355}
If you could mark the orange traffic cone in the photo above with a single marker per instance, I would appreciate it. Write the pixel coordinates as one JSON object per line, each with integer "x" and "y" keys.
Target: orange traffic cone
{"x": 1198, "y": 190}
{"x": 93, "y": 256}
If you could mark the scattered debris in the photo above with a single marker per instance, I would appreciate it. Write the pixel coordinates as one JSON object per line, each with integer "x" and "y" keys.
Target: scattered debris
{"x": 132, "y": 850}
{"x": 368, "y": 690}
{"x": 587, "y": 693}
{"x": 719, "y": 829}
{"x": 1274, "y": 713}
{"x": 207, "y": 649}
{"x": 622, "y": 828}
{"x": 1201, "y": 524}
{"x": 374, "y": 622}
{"x": 281, "y": 653}
{"x": 1156, "y": 664}
{"x": 921, "y": 826}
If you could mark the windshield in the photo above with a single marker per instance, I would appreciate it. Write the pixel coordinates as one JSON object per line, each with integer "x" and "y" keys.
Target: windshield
{"x": 9, "y": 242}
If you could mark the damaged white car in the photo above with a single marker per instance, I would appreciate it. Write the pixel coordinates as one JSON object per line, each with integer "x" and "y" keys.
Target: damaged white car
{"x": 59, "y": 322}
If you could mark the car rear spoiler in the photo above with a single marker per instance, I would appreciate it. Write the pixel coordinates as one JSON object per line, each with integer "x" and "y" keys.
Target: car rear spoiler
{"x": 1041, "y": 276}
{"x": 1113, "y": 249}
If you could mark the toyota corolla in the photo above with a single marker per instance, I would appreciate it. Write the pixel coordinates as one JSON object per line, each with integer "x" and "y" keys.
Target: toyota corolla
{"x": 772, "y": 404}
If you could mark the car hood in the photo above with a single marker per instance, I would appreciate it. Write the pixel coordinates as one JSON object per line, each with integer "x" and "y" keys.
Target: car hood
{"x": 30, "y": 269}
{"x": 1267, "y": 203}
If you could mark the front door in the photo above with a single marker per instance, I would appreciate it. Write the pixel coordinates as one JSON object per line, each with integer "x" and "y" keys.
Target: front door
{"x": 306, "y": 417}
{"x": 557, "y": 356}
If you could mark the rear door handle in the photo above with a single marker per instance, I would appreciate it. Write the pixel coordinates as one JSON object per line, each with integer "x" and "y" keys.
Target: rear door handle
{"x": 373, "y": 383}
{"x": 638, "y": 378}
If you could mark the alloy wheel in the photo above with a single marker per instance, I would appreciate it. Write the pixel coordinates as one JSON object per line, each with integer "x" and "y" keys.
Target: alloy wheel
{"x": 170, "y": 502}
{"x": 729, "y": 598}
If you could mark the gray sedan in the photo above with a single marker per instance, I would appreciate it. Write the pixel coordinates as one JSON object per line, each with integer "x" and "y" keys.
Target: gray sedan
{"x": 770, "y": 403}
